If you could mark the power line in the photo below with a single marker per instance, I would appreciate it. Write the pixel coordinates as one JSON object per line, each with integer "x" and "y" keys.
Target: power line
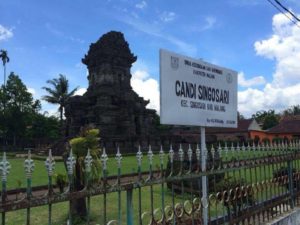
{"x": 280, "y": 10}
{"x": 286, "y": 9}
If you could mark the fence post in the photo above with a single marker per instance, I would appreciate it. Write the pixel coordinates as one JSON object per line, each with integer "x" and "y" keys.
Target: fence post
{"x": 29, "y": 167}
{"x": 291, "y": 182}
{"x": 71, "y": 161}
{"x": 88, "y": 168}
{"x": 104, "y": 159}
{"x": 4, "y": 169}
{"x": 139, "y": 156}
{"x": 129, "y": 210}
{"x": 119, "y": 163}
{"x": 204, "y": 178}
{"x": 50, "y": 166}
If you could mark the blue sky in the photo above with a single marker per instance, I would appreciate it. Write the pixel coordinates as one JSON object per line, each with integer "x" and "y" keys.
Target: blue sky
{"x": 46, "y": 38}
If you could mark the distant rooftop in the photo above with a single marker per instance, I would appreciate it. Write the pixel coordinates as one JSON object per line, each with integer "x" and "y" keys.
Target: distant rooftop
{"x": 289, "y": 124}
{"x": 243, "y": 126}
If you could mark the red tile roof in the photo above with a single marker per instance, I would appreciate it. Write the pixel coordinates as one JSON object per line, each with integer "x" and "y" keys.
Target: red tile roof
{"x": 290, "y": 124}
{"x": 243, "y": 126}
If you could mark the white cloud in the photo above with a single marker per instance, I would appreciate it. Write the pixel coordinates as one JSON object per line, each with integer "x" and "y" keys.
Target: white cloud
{"x": 283, "y": 46}
{"x": 167, "y": 16}
{"x": 252, "y": 100}
{"x": 155, "y": 28}
{"x": 156, "y": 31}
{"x": 51, "y": 109}
{"x": 141, "y": 5}
{"x": 206, "y": 23}
{"x": 31, "y": 90}
{"x": 254, "y": 81}
{"x": 146, "y": 87}
{"x": 135, "y": 15}
{"x": 74, "y": 39}
{"x": 80, "y": 91}
{"x": 61, "y": 34}
{"x": 5, "y": 33}
{"x": 210, "y": 22}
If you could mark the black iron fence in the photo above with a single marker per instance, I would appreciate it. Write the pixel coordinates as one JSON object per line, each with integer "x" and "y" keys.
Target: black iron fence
{"x": 249, "y": 184}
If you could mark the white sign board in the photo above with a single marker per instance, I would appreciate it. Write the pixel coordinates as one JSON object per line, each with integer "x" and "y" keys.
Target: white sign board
{"x": 197, "y": 93}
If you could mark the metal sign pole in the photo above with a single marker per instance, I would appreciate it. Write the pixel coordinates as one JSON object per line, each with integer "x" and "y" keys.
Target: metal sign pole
{"x": 204, "y": 178}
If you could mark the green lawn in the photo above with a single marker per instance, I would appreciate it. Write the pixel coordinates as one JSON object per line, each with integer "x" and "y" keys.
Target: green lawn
{"x": 17, "y": 178}
{"x": 39, "y": 215}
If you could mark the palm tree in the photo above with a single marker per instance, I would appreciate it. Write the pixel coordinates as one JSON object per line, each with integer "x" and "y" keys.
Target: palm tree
{"x": 59, "y": 93}
{"x": 5, "y": 59}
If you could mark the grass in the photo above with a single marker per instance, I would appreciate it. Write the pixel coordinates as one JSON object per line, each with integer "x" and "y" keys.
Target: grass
{"x": 129, "y": 164}
{"x": 17, "y": 178}
{"x": 39, "y": 215}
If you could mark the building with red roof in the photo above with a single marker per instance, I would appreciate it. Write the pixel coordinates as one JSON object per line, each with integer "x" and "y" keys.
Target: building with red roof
{"x": 288, "y": 128}
{"x": 247, "y": 129}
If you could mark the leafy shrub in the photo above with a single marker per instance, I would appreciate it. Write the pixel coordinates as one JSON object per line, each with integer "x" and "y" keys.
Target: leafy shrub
{"x": 238, "y": 198}
{"x": 266, "y": 141}
{"x": 89, "y": 139}
{"x": 282, "y": 174}
{"x": 61, "y": 181}
{"x": 277, "y": 140}
{"x": 196, "y": 183}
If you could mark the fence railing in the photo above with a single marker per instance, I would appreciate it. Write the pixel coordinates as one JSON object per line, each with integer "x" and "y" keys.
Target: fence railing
{"x": 247, "y": 184}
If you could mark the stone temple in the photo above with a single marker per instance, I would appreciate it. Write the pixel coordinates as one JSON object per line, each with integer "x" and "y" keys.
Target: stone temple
{"x": 109, "y": 103}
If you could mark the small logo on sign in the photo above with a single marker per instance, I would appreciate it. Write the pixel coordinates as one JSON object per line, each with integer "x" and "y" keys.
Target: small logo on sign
{"x": 229, "y": 78}
{"x": 174, "y": 62}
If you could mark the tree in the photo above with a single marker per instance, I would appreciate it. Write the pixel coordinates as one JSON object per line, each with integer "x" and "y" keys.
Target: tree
{"x": 240, "y": 116}
{"x": 158, "y": 125}
{"x": 18, "y": 106}
{"x": 59, "y": 93}
{"x": 268, "y": 119}
{"x": 292, "y": 111}
{"x": 5, "y": 59}
{"x": 88, "y": 139}
{"x": 43, "y": 129}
